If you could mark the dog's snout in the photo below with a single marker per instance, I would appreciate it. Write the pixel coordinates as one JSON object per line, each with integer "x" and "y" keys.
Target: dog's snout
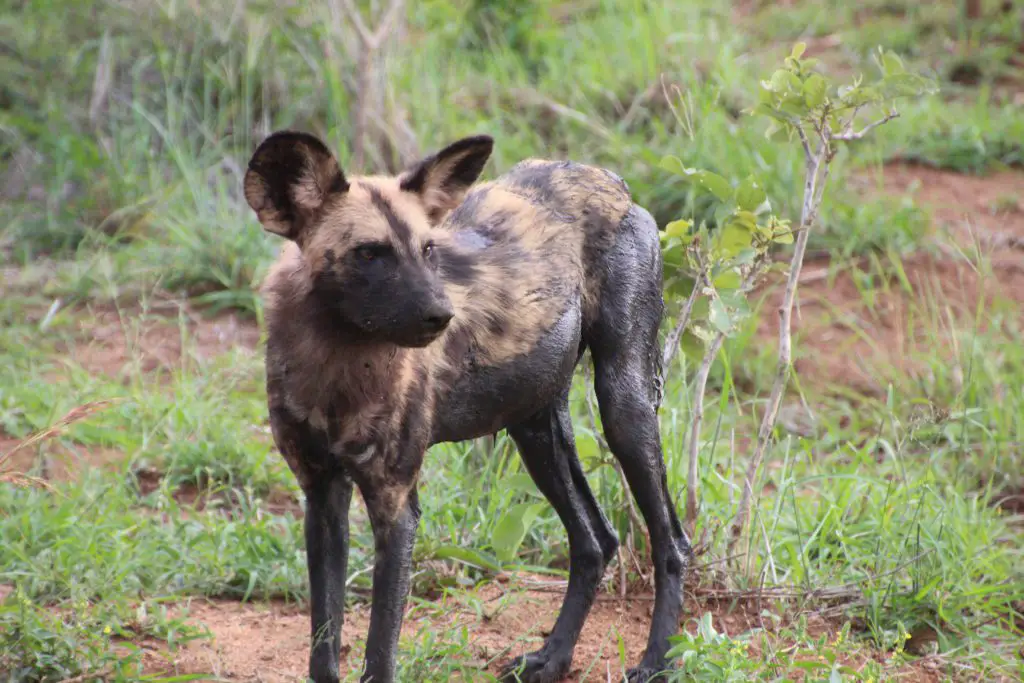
{"x": 437, "y": 318}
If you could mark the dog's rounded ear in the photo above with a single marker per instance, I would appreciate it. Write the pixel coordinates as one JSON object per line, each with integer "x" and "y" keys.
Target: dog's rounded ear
{"x": 290, "y": 177}
{"x": 442, "y": 180}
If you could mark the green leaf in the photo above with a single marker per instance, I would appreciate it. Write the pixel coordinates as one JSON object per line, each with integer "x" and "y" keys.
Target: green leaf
{"x": 891, "y": 64}
{"x": 746, "y": 256}
{"x": 692, "y": 346}
{"x": 727, "y": 279}
{"x": 733, "y": 240}
{"x": 700, "y": 310}
{"x": 720, "y": 316}
{"x": 468, "y": 556}
{"x": 783, "y": 81}
{"x": 680, "y": 229}
{"x": 749, "y": 194}
{"x": 794, "y": 106}
{"x": 814, "y": 90}
{"x": 675, "y": 165}
{"x": 714, "y": 183}
{"x": 905, "y": 85}
{"x": 746, "y": 219}
{"x": 511, "y": 529}
{"x": 798, "y": 50}
{"x": 735, "y": 237}
{"x": 683, "y": 284}
{"x": 783, "y": 236}
{"x": 867, "y": 94}
{"x": 587, "y": 449}
{"x": 521, "y": 482}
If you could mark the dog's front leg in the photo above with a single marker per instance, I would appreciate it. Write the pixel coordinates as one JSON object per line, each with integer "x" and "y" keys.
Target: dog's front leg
{"x": 326, "y": 523}
{"x": 395, "y": 516}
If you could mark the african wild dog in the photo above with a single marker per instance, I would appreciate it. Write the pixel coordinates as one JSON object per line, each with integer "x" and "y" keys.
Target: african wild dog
{"x": 408, "y": 311}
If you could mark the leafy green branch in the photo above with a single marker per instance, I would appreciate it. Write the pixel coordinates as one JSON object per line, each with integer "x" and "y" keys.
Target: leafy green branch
{"x": 714, "y": 270}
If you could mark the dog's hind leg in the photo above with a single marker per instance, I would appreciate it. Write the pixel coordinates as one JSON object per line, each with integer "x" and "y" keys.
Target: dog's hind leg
{"x": 546, "y": 444}
{"x": 623, "y": 342}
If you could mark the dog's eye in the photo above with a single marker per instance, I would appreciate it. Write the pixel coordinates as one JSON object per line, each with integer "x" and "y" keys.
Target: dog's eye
{"x": 428, "y": 250}
{"x": 371, "y": 252}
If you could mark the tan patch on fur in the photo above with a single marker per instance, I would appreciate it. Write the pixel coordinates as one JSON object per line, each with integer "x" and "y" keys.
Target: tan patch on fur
{"x": 578, "y": 209}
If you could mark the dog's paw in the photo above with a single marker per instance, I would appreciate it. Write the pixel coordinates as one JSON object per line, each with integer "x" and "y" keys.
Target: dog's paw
{"x": 536, "y": 667}
{"x": 647, "y": 674}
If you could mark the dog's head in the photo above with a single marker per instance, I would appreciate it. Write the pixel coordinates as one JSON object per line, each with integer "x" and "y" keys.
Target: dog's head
{"x": 368, "y": 244}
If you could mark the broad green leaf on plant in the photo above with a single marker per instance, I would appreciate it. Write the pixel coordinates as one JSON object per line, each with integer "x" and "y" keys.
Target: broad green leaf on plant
{"x": 867, "y": 94}
{"x": 691, "y": 345}
{"x": 678, "y": 288}
{"x": 673, "y": 257}
{"x": 587, "y": 449}
{"x": 701, "y": 310}
{"x": 814, "y": 90}
{"x": 727, "y": 279}
{"x": 783, "y": 81}
{"x": 798, "y": 50}
{"x": 511, "y": 529}
{"x": 783, "y": 235}
{"x": 719, "y": 316}
{"x": 735, "y": 237}
{"x": 891, "y": 63}
{"x": 521, "y": 482}
{"x": 682, "y": 284}
{"x": 749, "y": 194}
{"x": 736, "y": 301}
{"x": 473, "y": 558}
{"x": 746, "y": 218}
{"x": 712, "y": 182}
{"x": 794, "y": 106}
{"x": 905, "y": 85}
{"x": 675, "y": 165}
{"x": 680, "y": 229}
{"x": 746, "y": 256}
{"x": 773, "y": 128}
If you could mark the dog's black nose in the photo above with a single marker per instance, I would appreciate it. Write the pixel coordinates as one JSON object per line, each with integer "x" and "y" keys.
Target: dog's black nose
{"x": 437, "y": 319}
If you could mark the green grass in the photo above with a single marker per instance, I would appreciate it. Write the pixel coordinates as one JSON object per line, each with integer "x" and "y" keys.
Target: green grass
{"x": 887, "y": 499}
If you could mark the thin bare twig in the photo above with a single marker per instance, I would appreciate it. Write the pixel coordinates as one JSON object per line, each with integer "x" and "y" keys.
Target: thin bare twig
{"x": 89, "y": 676}
{"x": 371, "y": 43}
{"x": 692, "y": 472}
{"x": 850, "y": 134}
{"x": 668, "y": 354}
{"x": 814, "y": 185}
{"x": 700, "y": 386}
{"x": 532, "y": 97}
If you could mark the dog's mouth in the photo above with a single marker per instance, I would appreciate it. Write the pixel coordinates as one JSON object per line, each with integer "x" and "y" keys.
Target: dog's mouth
{"x": 421, "y": 338}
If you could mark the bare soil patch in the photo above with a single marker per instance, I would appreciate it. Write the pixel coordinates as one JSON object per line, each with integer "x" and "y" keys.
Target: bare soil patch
{"x": 860, "y": 329}
{"x": 117, "y": 343}
{"x": 992, "y": 204}
{"x": 269, "y": 642}
{"x": 61, "y": 461}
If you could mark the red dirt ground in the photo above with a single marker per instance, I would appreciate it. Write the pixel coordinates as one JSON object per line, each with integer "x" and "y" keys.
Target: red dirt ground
{"x": 111, "y": 344}
{"x": 842, "y": 338}
{"x": 268, "y": 643}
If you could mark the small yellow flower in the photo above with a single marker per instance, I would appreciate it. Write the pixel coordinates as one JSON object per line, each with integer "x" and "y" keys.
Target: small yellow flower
{"x": 106, "y": 630}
